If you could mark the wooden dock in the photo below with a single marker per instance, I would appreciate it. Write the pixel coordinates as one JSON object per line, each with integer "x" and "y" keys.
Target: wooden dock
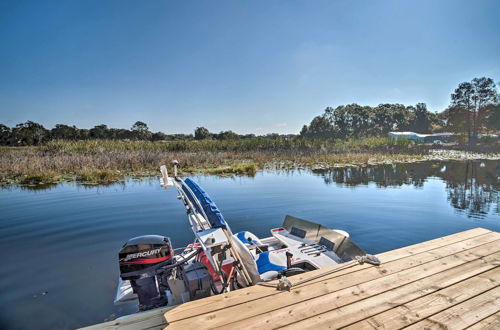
{"x": 447, "y": 283}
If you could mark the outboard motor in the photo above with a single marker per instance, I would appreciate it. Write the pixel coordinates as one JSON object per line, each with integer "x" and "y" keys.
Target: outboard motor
{"x": 141, "y": 262}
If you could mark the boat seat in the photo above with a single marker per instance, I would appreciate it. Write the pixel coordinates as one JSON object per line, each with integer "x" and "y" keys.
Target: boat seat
{"x": 248, "y": 238}
{"x": 264, "y": 266}
{"x": 269, "y": 261}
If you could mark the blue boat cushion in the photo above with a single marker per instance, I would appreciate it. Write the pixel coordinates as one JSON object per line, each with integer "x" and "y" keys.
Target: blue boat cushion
{"x": 213, "y": 214}
{"x": 248, "y": 238}
{"x": 267, "y": 261}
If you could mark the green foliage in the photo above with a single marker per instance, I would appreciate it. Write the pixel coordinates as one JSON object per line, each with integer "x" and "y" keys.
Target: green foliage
{"x": 5, "y": 135}
{"x": 264, "y": 144}
{"x": 29, "y": 133}
{"x": 201, "y": 133}
{"x": 94, "y": 177}
{"x": 474, "y": 109}
{"x": 61, "y": 131}
{"x": 493, "y": 118}
{"x": 354, "y": 121}
{"x": 140, "y": 131}
{"x": 423, "y": 119}
{"x": 470, "y": 101}
{"x": 39, "y": 179}
{"x": 159, "y": 136}
{"x": 99, "y": 132}
{"x": 227, "y": 135}
{"x": 319, "y": 128}
{"x": 241, "y": 169}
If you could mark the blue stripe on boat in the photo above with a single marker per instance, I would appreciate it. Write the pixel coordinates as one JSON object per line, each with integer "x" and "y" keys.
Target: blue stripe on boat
{"x": 214, "y": 216}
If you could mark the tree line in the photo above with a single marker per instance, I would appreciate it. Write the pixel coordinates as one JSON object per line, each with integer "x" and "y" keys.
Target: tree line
{"x": 31, "y": 133}
{"x": 474, "y": 109}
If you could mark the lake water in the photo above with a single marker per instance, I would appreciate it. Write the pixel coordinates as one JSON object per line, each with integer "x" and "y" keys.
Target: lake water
{"x": 60, "y": 245}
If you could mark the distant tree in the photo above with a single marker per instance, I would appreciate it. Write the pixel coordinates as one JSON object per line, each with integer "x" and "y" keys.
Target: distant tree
{"x": 356, "y": 121}
{"x": 402, "y": 117}
{"x": 159, "y": 136}
{"x": 201, "y": 133}
{"x": 181, "y": 137}
{"x": 493, "y": 118}
{"x": 381, "y": 120}
{"x": 303, "y": 131}
{"x": 274, "y": 136}
{"x": 120, "y": 134}
{"x": 5, "y": 135}
{"x": 64, "y": 132}
{"x": 456, "y": 120}
{"x": 422, "y": 119}
{"x": 140, "y": 131}
{"x": 319, "y": 128}
{"x": 473, "y": 97}
{"x": 83, "y": 134}
{"x": 29, "y": 133}
{"x": 99, "y": 132}
{"x": 349, "y": 121}
{"x": 227, "y": 135}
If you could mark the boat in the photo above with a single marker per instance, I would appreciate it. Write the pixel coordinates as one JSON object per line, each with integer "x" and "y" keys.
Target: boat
{"x": 220, "y": 261}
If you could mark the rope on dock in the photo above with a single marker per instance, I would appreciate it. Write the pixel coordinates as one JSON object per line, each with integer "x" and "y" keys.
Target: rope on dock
{"x": 285, "y": 284}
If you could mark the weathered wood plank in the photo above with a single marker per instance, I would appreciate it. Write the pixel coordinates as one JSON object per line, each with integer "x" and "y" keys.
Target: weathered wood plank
{"x": 433, "y": 299}
{"x": 343, "y": 307}
{"x": 321, "y": 297}
{"x": 490, "y": 323}
{"x": 147, "y": 320}
{"x": 464, "y": 314}
{"x": 222, "y": 302}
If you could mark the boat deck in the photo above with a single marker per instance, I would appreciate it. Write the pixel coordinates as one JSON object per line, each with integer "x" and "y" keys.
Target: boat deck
{"x": 450, "y": 282}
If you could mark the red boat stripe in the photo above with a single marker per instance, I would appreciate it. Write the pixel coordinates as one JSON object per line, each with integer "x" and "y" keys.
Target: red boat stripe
{"x": 146, "y": 261}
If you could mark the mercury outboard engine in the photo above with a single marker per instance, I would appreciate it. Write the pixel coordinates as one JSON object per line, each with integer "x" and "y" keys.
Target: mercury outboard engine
{"x": 142, "y": 260}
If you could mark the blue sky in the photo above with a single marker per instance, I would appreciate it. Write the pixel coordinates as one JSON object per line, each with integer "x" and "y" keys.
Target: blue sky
{"x": 247, "y": 66}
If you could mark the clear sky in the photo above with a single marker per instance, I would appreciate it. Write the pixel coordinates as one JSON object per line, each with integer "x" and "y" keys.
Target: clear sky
{"x": 248, "y": 66}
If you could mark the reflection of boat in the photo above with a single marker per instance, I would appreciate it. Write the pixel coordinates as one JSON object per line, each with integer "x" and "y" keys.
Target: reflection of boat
{"x": 219, "y": 261}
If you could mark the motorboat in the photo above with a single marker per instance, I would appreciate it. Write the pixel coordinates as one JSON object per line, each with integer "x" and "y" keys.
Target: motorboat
{"x": 219, "y": 260}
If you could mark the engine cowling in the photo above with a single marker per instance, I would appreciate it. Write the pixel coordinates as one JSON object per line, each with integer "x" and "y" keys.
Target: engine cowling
{"x": 140, "y": 260}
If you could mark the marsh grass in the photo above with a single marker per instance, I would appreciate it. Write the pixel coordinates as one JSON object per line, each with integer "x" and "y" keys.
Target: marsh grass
{"x": 243, "y": 169}
{"x": 236, "y": 145}
{"x": 40, "y": 179}
{"x": 95, "y": 177}
{"x": 107, "y": 161}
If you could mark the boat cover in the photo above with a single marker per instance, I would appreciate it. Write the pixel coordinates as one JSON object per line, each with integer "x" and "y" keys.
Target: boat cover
{"x": 214, "y": 216}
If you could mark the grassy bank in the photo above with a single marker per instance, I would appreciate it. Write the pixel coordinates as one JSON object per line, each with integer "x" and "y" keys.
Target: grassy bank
{"x": 103, "y": 161}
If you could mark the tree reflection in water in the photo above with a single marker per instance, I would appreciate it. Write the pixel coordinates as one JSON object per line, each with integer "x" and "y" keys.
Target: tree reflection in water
{"x": 472, "y": 186}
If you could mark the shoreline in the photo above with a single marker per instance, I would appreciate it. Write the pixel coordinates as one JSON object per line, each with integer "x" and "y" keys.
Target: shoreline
{"x": 237, "y": 165}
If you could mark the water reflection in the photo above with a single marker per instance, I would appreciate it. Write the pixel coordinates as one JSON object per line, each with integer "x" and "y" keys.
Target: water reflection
{"x": 471, "y": 186}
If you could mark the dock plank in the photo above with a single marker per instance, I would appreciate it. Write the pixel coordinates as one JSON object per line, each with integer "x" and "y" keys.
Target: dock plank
{"x": 392, "y": 261}
{"x": 432, "y": 298}
{"x": 313, "y": 298}
{"x": 418, "y": 309}
{"x": 335, "y": 308}
{"x": 150, "y": 320}
{"x": 490, "y": 323}
{"x": 464, "y": 314}
{"x": 244, "y": 295}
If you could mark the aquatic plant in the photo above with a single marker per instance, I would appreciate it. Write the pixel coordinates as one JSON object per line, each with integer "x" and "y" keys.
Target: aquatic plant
{"x": 105, "y": 161}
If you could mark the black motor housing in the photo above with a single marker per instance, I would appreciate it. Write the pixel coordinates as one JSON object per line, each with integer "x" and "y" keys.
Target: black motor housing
{"x": 140, "y": 260}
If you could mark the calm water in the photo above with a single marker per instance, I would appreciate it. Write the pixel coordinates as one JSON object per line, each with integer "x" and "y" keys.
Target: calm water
{"x": 59, "y": 245}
